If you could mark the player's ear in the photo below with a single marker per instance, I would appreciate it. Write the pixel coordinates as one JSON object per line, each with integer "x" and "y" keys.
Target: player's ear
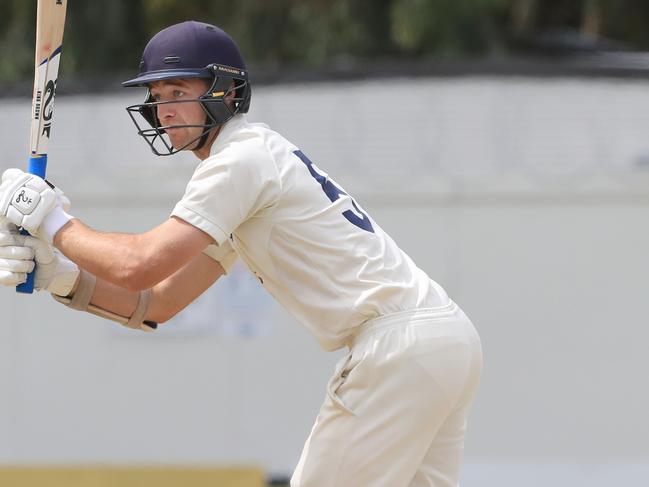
{"x": 231, "y": 95}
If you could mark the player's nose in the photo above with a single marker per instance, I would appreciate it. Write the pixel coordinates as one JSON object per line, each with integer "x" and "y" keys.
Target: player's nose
{"x": 166, "y": 111}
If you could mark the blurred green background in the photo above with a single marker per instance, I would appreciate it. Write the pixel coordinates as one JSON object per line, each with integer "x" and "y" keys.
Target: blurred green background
{"x": 106, "y": 38}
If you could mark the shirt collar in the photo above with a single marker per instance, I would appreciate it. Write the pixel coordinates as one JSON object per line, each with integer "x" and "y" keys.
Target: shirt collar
{"x": 227, "y": 131}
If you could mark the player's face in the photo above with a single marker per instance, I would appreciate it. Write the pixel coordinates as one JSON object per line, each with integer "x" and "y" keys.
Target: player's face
{"x": 186, "y": 113}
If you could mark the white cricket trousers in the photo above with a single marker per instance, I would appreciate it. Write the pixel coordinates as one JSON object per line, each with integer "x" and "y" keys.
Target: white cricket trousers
{"x": 396, "y": 408}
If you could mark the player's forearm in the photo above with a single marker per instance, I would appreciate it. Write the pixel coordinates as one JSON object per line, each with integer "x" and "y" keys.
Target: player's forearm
{"x": 187, "y": 284}
{"x": 123, "y": 302}
{"x": 135, "y": 262}
{"x": 168, "y": 297}
{"x": 109, "y": 256}
{"x": 130, "y": 261}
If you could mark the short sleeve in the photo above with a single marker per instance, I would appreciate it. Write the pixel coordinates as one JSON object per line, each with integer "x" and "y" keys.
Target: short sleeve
{"x": 224, "y": 254}
{"x": 230, "y": 187}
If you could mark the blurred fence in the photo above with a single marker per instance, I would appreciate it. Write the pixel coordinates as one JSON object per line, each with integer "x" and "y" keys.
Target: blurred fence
{"x": 527, "y": 199}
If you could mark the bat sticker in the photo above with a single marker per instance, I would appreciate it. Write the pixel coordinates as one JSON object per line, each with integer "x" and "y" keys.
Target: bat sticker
{"x": 48, "y": 108}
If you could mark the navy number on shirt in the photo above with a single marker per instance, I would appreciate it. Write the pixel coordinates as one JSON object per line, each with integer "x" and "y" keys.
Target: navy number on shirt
{"x": 333, "y": 192}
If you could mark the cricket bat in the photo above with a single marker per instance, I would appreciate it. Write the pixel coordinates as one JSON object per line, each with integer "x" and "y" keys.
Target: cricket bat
{"x": 50, "y": 22}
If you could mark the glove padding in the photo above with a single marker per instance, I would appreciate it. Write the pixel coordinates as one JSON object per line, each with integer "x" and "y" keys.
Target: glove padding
{"x": 33, "y": 203}
{"x": 16, "y": 260}
{"x": 54, "y": 272}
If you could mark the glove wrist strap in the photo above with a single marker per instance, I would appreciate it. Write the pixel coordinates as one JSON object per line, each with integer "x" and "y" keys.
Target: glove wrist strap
{"x": 53, "y": 222}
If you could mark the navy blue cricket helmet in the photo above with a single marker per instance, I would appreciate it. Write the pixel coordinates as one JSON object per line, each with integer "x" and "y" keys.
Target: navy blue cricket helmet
{"x": 191, "y": 50}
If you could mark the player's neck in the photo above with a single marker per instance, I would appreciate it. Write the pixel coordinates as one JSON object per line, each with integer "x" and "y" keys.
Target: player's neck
{"x": 204, "y": 152}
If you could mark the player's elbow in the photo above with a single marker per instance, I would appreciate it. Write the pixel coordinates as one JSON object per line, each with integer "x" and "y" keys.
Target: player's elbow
{"x": 133, "y": 285}
{"x": 136, "y": 280}
{"x": 136, "y": 276}
{"x": 140, "y": 270}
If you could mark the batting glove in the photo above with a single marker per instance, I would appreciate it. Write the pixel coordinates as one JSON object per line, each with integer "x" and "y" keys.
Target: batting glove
{"x": 33, "y": 203}
{"x": 54, "y": 272}
{"x": 16, "y": 261}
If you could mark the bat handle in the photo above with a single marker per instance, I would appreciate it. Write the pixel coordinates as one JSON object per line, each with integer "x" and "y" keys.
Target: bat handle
{"x": 37, "y": 166}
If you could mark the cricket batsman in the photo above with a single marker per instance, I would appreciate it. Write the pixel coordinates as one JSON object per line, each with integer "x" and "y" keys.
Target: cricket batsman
{"x": 396, "y": 408}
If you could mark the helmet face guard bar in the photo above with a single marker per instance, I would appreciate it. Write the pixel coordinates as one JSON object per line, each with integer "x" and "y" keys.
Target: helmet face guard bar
{"x": 213, "y": 102}
{"x": 155, "y": 134}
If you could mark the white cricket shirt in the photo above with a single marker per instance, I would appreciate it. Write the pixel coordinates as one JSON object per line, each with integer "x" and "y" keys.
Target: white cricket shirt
{"x": 308, "y": 242}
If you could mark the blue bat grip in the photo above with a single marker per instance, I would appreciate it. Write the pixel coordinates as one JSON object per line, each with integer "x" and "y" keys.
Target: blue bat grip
{"x": 37, "y": 166}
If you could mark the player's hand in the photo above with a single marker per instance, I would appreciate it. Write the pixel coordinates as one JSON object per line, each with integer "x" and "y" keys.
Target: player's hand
{"x": 55, "y": 273}
{"x": 16, "y": 261}
{"x": 33, "y": 203}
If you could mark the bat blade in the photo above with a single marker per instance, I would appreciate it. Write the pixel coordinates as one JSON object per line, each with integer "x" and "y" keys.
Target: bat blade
{"x": 50, "y": 23}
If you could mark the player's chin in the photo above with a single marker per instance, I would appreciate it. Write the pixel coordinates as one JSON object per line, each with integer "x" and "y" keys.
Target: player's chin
{"x": 180, "y": 140}
{"x": 183, "y": 139}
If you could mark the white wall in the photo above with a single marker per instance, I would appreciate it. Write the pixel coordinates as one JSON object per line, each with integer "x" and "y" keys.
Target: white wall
{"x": 526, "y": 199}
